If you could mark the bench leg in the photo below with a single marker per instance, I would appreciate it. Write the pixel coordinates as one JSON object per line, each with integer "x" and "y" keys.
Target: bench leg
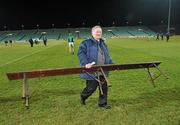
{"x": 109, "y": 85}
{"x": 161, "y": 72}
{"x": 100, "y": 83}
{"x": 151, "y": 76}
{"x": 25, "y": 91}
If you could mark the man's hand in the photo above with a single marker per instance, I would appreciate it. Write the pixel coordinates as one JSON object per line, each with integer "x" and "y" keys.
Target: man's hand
{"x": 89, "y": 65}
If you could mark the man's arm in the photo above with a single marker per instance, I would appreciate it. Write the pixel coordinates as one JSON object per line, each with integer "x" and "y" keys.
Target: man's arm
{"x": 82, "y": 54}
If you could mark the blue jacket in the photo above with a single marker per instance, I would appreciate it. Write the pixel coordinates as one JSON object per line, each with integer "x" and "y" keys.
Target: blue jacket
{"x": 88, "y": 53}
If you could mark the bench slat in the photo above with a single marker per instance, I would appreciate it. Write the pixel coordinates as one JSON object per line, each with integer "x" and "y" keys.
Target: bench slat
{"x": 77, "y": 70}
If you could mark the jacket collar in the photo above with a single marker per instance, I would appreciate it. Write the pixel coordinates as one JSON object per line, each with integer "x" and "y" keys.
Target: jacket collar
{"x": 95, "y": 41}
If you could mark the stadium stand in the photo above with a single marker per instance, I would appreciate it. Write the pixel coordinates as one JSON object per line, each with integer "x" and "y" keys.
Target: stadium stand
{"x": 83, "y": 33}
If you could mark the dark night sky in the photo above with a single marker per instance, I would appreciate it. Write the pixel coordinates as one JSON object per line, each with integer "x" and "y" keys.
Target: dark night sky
{"x": 30, "y": 13}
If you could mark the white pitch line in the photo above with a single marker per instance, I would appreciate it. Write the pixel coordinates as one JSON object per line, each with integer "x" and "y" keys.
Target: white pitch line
{"x": 24, "y": 57}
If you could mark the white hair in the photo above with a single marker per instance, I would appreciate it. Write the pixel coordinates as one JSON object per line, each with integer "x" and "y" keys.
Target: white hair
{"x": 95, "y": 27}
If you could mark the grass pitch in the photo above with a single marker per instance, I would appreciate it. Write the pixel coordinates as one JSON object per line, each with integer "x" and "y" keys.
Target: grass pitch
{"x": 55, "y": 100}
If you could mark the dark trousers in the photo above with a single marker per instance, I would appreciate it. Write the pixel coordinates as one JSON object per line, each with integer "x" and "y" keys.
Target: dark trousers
{"x": 91, "y": 86}
{"x": 31, "y": 44}
{"x": 45, "y": 43}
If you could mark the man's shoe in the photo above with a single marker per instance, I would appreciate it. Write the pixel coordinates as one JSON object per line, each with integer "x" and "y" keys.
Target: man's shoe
{"x": 82, "y": 102}
{"x": 105, "y": 106}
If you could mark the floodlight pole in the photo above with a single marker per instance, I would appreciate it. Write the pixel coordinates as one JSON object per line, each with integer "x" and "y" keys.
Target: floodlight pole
{"x": 53, "y": 27}
{"x": 169, "y": 17}
{"x": 5, "y": 28}
{"x": 22, "y": 27}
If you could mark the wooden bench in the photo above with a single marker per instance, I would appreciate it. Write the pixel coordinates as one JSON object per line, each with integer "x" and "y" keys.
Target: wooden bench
{"x": 25, "y": 75}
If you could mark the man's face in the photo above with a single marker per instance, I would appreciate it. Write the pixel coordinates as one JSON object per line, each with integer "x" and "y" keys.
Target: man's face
{"x": 97, "y": 33}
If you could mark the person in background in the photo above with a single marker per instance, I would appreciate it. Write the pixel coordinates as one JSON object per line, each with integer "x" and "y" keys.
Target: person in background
{"x": 31, "y": 42}
{"x": 70, "y": 40}
{"x": 44, "y": 40}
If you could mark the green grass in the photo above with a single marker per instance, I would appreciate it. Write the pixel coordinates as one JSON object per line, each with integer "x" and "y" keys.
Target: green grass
{"x": 55, "y": 100}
